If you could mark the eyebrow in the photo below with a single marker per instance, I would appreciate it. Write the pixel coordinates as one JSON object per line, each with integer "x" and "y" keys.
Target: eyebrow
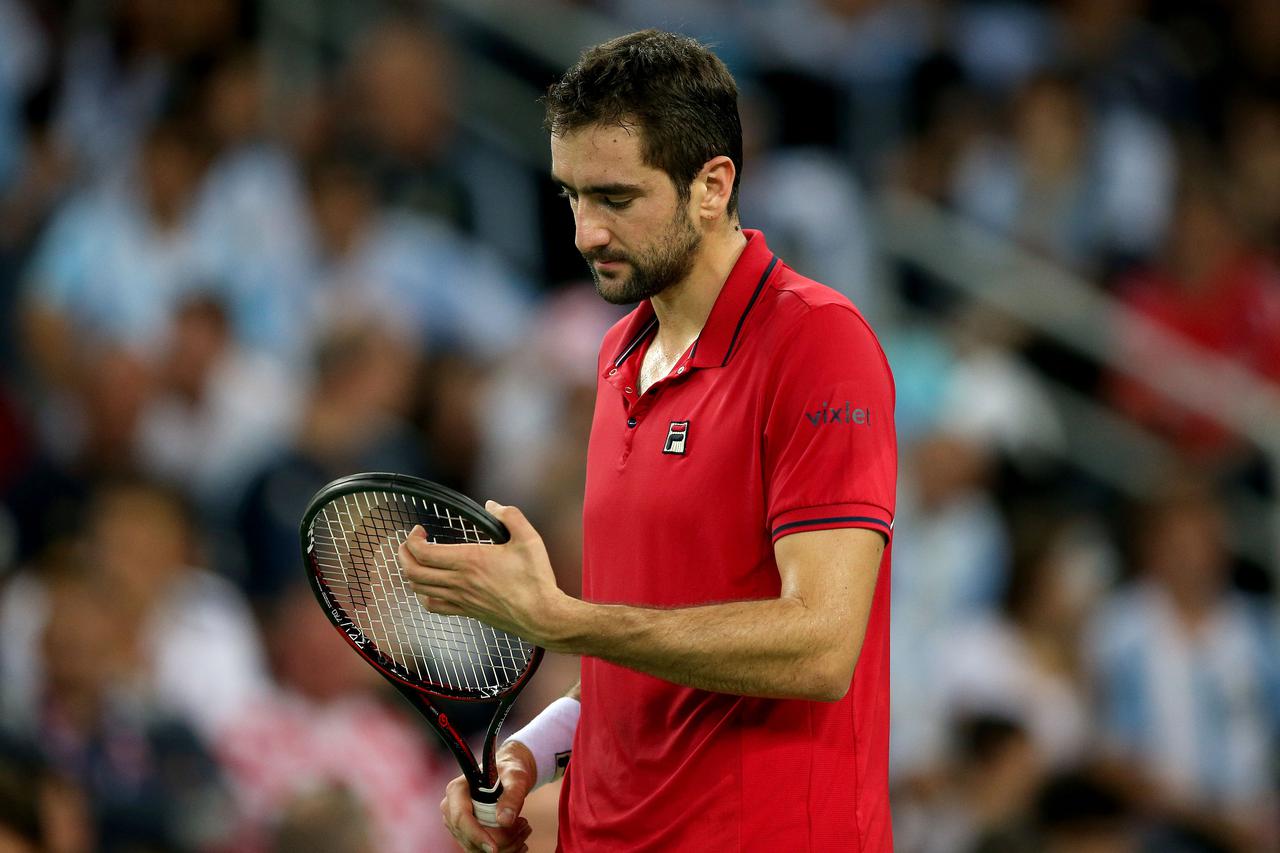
{"x": 600, "y": 189}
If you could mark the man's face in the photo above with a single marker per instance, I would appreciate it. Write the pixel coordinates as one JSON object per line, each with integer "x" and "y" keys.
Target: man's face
{"x": 630, "y": 224}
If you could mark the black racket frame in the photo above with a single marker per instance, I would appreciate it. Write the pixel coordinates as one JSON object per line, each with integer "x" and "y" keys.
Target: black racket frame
{"x": 482, "y": 775}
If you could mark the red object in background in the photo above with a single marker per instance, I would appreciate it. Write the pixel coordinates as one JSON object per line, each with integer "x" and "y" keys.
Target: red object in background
{"x": 1233, "y": 311}
{"x": 14, "y": 444}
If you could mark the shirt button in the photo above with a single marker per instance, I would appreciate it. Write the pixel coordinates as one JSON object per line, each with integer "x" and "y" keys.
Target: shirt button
{"x": 681, "y": 370}
{"x": 629, "y": 390}
{"x": 631, "y": 422}
{"x": 613, "y": 370}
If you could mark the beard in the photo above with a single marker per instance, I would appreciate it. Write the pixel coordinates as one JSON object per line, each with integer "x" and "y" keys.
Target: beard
{"x": 654, "y": 269}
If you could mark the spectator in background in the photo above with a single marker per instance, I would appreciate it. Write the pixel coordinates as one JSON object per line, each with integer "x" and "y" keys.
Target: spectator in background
{"x": 1253, "y": 152}
{"x": 986, "y": 798}
{"x": 24, "y": 55}
{"x": 1213, "y": 289}
{"x": 41, "y": 811}
{"x": 218, "y": 411}
{"x": 81, "y": 436}
{"x": 149, "y": 782}
{"x": 353, "y": 420}
{"x": 951, "y": 558}
{"x": 117, "y": 258}
{"x": 1070, "y": 182}
{"x": 1186, "y": 677}
{"x": 325, "y": 728}
{"x": 402, "y": 82}
{"x": 811, "y": 205}
{"x": 412, "y": 275}
{"x": 184, "y": 628}
{"x": 114, "y": 81}
{"x": 1022, "y": 662}
{"x": 399, "y": 113}
{"x": 252, "y": 214}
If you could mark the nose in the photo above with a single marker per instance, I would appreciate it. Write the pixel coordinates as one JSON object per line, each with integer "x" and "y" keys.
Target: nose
{"x": 589, "y": 233}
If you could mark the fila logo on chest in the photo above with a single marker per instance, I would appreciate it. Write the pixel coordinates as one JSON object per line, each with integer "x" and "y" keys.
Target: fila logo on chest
{"x": 677, "y": 437}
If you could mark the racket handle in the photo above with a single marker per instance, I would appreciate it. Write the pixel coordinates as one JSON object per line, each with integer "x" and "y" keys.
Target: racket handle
{"x": 485, "y": 804}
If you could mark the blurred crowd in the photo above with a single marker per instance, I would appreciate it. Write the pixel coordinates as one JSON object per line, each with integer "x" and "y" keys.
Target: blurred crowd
{"x": 225, "y": 282}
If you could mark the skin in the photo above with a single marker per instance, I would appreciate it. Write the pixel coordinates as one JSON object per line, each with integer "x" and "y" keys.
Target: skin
{"x": 801, "y": 645}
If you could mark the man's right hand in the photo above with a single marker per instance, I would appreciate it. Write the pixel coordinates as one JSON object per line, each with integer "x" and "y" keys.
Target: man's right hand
{"x": 517, "y": 772}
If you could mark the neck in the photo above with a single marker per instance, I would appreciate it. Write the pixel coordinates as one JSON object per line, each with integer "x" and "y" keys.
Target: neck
{"x": 683, "y": 308}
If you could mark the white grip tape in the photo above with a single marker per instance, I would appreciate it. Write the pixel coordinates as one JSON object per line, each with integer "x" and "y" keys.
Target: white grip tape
{"x": 486, "y": 813}
{"x": 549, "y": 736}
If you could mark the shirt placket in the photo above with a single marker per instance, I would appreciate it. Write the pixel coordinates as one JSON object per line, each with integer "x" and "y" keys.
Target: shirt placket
{"x": 625, "y": 379}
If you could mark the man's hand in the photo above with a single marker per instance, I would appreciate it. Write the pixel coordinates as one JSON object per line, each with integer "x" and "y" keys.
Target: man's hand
{"x": 517, "y": 773}
{"x": 509, "y": 586}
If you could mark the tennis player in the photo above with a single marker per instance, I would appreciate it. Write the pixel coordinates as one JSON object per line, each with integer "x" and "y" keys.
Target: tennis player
{"x": 734, "y": 689}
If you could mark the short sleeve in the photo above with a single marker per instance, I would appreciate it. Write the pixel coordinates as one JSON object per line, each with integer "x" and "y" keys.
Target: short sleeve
{"x": 830, "y": 450}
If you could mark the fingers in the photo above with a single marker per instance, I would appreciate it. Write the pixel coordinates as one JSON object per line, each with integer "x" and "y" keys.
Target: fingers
{"x": 460, "y": 820}
{"x": 514, "y": 519}
{"x": 518, "y": 834}
{"x": 433, "y": 554}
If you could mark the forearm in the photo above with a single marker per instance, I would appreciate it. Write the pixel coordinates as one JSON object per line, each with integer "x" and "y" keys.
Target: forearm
{"x": 772, "y": 647}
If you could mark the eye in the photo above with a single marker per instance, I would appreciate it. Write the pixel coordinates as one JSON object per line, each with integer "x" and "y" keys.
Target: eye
{"x": 564, "y": 193}
{"x": 617, "y": 203}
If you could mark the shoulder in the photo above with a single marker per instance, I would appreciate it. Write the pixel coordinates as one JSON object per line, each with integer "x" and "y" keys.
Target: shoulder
{"x": 808, "y": 319}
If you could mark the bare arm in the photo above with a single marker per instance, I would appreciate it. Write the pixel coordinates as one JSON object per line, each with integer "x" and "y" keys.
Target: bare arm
{"x": 803, "y": 644}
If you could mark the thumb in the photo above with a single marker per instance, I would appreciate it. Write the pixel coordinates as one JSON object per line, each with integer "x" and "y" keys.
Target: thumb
{"x": 516, "y": 772}
{"x": 515, "y": 787}
{"x": 519, "y": 526}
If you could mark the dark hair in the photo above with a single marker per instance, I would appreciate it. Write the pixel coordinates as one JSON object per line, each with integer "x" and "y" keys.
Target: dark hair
{"x": 676, "y": 91}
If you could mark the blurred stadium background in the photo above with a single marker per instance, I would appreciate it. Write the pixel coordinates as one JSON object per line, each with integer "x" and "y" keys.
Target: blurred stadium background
{"x": 246, "y": 247}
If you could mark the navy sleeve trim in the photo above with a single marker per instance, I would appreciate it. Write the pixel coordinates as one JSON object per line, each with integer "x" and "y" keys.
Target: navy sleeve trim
{"x": 861, "y": 519}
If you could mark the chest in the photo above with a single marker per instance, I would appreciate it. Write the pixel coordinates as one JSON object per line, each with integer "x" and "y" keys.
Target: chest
{"x": 675, "y": 507}
{"x": 657, "y": 362}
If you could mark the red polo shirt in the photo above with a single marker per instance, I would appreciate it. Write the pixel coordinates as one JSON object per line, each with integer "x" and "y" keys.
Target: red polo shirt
{"x": 778, "y": 420}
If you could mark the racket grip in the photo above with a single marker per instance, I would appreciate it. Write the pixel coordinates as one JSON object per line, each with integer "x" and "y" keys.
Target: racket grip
{"x": 485, "y": 804}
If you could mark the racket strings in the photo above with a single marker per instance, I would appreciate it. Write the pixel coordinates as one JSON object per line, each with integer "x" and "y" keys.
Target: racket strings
{"x": 355, "y": 541}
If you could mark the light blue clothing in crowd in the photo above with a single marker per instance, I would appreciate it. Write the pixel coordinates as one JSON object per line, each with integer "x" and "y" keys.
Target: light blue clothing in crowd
{"x": 102, "y": 264}
{"x": 431, "y": 283}
{"x": 950, "y": 564}
{"x": 251, "y": 218}
{"x": 1199, "y": 710}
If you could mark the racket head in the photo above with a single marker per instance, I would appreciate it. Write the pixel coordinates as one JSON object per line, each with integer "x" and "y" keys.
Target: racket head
{"x": 350, "y": 533}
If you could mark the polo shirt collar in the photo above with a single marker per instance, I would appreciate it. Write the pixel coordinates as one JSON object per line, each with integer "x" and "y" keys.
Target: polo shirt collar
{"x": 723, "y": 330}
{"x": 722, "y": 333}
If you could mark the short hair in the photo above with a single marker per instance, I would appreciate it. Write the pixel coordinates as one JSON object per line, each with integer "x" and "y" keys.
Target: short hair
{"x": 674, "y": 89}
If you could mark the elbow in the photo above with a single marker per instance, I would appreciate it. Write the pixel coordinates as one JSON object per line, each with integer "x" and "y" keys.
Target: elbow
{"x": 831, "y": 679}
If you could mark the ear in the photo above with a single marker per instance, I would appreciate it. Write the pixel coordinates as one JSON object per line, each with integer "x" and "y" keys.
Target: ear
{"x": 716, "y": 180}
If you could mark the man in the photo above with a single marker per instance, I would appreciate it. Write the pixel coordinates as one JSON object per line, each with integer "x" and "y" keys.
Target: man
{"x": 739, "y": 503}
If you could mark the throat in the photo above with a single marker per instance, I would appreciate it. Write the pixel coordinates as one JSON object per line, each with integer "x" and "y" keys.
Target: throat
{"x": 660, "y": 359}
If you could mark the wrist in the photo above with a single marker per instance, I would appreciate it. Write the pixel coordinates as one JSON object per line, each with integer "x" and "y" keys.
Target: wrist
{"x": 545, "y": 744}
{"x": 514, "y": 751}
{"x": 563, "y": 624}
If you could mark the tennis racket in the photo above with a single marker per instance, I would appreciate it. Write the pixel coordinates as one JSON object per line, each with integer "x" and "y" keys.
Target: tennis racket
{"x": 351, "y": 532}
